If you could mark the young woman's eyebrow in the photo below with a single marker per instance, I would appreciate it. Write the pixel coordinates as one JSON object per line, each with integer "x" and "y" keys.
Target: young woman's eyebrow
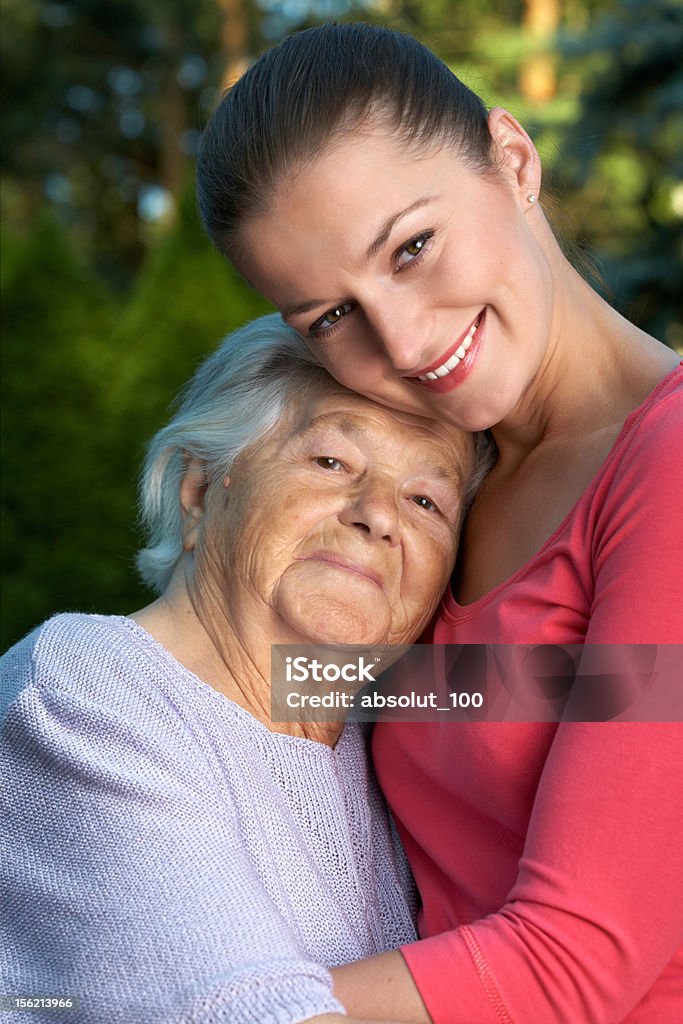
{"x": 390, "y": 223}
{"x": 372, "y": 250}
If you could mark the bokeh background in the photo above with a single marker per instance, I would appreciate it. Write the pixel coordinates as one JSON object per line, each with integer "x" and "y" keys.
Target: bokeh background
{"x": 111, "y": 294}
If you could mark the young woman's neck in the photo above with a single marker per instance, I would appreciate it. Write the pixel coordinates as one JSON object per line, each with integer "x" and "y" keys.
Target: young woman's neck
{"x": 598, "y": 367}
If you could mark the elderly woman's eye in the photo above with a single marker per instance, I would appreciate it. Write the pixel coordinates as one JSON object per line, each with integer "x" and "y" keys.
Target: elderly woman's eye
{"x": 329, "y": 462}
{"x": 424, "y": 503}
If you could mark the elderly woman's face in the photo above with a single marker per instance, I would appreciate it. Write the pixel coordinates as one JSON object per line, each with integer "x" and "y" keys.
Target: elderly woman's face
{"x": 343, "y": 530}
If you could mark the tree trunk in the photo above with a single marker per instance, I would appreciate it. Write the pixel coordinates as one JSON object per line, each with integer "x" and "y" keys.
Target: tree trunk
{"x": 233, "y": 36}
{"x": 537, "y": 79}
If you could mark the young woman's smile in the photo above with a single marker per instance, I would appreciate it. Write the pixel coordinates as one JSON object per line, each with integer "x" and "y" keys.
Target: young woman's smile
{"x": 423, "y": 288}
{"x": 454, "y": 366}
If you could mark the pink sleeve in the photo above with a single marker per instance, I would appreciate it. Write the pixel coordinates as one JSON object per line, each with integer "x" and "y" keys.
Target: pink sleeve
{"x": 595, "y": 914}
{"x": 637, "y": 551}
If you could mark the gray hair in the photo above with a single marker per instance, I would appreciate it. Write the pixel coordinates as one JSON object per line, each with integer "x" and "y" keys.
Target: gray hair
{"x": 235, "y": 398}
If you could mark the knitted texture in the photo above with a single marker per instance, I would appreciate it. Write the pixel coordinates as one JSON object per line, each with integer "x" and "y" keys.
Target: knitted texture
{"x": 170, "y": 859}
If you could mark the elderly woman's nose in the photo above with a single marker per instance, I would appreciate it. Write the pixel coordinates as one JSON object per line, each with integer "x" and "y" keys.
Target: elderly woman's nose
{"x": 374, "y": 509}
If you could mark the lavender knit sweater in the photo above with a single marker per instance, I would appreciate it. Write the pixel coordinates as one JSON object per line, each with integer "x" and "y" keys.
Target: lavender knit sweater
{"x": 168, "y": 858}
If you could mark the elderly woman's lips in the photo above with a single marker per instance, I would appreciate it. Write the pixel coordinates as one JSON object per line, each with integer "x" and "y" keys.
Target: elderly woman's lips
{"x": 339, "y": 562}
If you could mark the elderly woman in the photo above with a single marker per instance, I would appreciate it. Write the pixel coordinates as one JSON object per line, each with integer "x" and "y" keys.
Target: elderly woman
{"x": 174, "y": 855}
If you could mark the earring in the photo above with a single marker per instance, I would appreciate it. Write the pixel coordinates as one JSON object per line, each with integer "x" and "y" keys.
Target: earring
{"x": 531, "y": 198}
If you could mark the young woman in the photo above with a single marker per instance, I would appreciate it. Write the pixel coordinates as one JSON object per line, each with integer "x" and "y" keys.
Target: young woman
{"x": 399, "y": 227}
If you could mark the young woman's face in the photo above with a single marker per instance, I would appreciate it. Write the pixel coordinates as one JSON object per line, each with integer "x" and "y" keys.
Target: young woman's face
{"x": 416, "y": 281}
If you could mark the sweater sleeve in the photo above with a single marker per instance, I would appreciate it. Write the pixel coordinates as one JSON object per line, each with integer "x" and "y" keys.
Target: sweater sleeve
{"x": 125, "y": 879}
{"x": 594, "y": 916}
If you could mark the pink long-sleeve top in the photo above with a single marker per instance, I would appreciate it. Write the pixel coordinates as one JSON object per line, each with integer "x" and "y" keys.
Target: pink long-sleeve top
{"x": 549, "y": 857}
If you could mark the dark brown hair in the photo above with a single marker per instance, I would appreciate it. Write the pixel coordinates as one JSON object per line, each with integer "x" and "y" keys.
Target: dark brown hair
{"x": 311, "y": 89}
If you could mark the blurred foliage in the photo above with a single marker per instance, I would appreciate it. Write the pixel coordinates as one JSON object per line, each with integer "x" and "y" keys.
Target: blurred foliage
{"x": 111, "y": 293}
{"x": 623, "y": 156}
{"x": 85, "y": 383}
{"x": 104, "y": 101}
{"x": 56, "y": 492}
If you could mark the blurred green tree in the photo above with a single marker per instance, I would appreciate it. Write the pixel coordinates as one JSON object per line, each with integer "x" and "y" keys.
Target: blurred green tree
{"x": 84, "y": 386}
{"x": 623, "y": 159}
{"x": 56, "y": 486}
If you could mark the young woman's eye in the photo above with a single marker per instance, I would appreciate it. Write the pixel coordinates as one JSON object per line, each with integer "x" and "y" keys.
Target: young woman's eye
{"x": 329, "y": 462}
{"x": 426, "y": 503}
{"x": 413, "y": 250}
{"x": 330, "y": 319}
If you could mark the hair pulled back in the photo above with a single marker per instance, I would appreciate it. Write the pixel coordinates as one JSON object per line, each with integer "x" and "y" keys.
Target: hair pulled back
{"x": 308, "y": 91}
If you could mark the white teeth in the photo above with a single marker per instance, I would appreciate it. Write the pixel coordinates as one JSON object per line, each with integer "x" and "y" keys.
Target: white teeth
{"x": 450, "y": 364}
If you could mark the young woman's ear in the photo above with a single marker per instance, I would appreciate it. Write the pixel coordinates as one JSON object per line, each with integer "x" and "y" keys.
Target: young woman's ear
{"x": 518, "y": 158}
{"x": 193, "y": 489}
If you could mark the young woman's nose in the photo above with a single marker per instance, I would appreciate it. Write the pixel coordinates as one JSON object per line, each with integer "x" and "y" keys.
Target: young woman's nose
{"x": 373, "y": 508}
{"x": 400, "y": 330}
